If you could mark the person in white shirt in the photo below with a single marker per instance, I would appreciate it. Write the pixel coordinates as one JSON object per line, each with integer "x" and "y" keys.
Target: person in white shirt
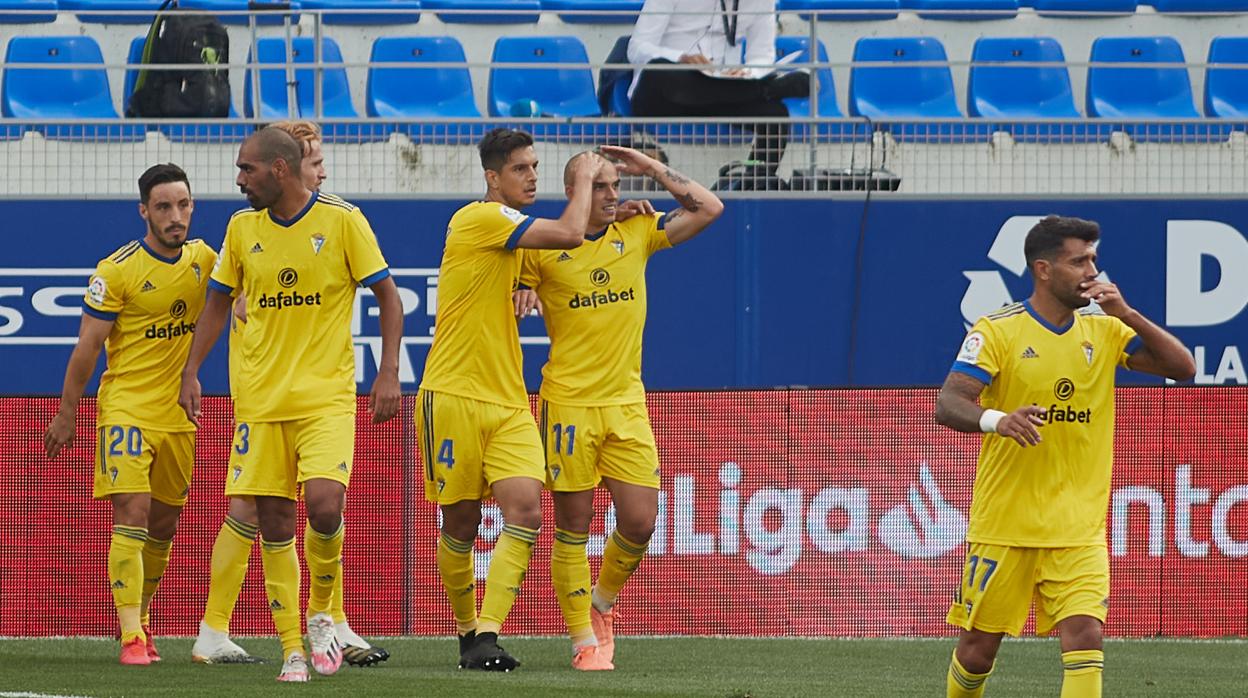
{"x": 707, "y": 35}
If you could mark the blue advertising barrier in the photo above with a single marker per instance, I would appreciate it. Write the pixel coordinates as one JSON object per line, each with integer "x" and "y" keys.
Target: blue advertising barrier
{"x": 778, "y": 292}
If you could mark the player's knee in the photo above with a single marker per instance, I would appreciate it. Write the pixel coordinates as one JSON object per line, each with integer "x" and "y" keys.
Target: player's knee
{"x": 461, "y": 523}
{"x": 637, "y": 529}
{"x": 527, "y": 515}
{"x": 243, "y": 510}
{"x": 324, "y": 519}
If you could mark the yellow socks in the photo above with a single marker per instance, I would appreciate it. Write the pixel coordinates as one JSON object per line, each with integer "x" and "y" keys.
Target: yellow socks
{"x": 507, "y": 567}
{"x": 1081, "y": 673}
{"x": 336, "y": 602}
{"x": 619, "y": 560}
{"x": 960, "y": 683}
{"x": 155, "y": 560}
{"x": 569, "y": 574}
{"x": 323, "y": 554}
{"x": 281, "y": 584}
{"x": 455, "y": 565}
{"x": 230, "y": 554}
{"x": 125, "y": 577}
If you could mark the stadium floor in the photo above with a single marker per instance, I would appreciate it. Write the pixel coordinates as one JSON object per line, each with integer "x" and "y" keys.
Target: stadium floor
{"x": 726, "y": 667}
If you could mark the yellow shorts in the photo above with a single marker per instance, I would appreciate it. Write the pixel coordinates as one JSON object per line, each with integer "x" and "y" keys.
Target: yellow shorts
{"x": 272, "y": 459}
{"x": 999, "y": 582}
{"x": 132, "y": 459}
{"x": 585, "y": 444}
{"x": 467, "y": 445}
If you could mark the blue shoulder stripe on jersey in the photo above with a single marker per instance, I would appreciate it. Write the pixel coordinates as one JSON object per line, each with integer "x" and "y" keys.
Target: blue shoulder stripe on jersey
{"x": 219, "y": 287}
{"x": 286, "y": 224}
{"x": 971, "y": 370}
{"x": 101, "y": 314}
{"x": 125, "y": 249}
{"x": 1045, "y": 323}
{"x": 515, "y": 235}
{"x": 375, "y": 277}
{"x": 159, "y": 256}
{"x": 1134, "y": 345}
{"x": 127, "y": 254}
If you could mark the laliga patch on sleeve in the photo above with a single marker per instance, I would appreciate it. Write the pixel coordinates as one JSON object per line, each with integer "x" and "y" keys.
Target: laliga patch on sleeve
{"x": 971, "y": 346}
{"x": 512, "y": 214}
{"x": 96, "y": 290}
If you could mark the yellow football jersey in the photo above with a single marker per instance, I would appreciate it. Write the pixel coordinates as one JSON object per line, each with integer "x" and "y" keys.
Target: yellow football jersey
{"x": 300, "y": 276}
{"x": 154, "y": 302}
{"x": 1054, "y": 494}
{"x": 594, "y": 300}
{"x": 476, "y": 347}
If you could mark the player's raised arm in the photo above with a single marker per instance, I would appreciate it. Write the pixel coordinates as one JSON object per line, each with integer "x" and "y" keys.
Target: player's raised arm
{"x": 567, "y": 231}
{"x": 383, "y": 399}
{"x": 1161, "y": 353}
{"x": 212, "y": 320}
{"x": 699, "y": 207}
{"x": 91, "y": 335}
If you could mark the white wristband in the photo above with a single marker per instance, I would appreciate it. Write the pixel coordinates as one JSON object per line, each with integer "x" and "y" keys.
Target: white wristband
{"x": 988, "y": 421}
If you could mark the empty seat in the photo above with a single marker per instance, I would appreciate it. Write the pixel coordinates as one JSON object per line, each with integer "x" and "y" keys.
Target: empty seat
{"x": 1012, "y": 92}
{"x": 485, "y": 11}
{"x": 962, "y": 9}
{"x": 1139, "y": 93}
{"x": 828, "y": 108}
{"x": 188, "y": 133}
{"x": 1064, "y": 8}
{"x": 34, "y": 94}
{"x": 1226, "y": 89}
{"x": 335, "y": 89}
{"x": 576, "y": 11}
{"x": 112, "y": 11}
{"x": 925, "y": 92}
{"x": 1182, "y": 6}
{"x": 364, "y": 12}
{"x": 410, "y": 93}
{"x": 563, "y": 92}
{"x": 842, "y": 10}
{"x": 263, "y": 15}
{"x": 46, "y": 11}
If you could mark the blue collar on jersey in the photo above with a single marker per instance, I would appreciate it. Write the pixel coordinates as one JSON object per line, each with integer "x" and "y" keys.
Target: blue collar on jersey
{"x": 159, "y": 256}
{"x": 598, "y": 235}
{"x": 286, "y": 224}
{"x": 1045, "y": 323}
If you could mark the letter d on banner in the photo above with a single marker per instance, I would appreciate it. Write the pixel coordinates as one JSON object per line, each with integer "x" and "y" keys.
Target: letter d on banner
{"x": 1186, "y": 242}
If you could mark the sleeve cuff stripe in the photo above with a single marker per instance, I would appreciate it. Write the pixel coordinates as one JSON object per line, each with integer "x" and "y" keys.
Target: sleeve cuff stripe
{"x": 375, "y": 277}
{"x": 515, "y": 235}
{"x": 973, "y": 371}
{"x": 95, "y": 313}
{"x": 218, "y": 286}
{"x": 1134, "y": 345}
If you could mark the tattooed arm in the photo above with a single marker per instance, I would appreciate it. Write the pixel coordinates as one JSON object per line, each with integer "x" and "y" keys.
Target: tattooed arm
{"x": 699, "y": 207}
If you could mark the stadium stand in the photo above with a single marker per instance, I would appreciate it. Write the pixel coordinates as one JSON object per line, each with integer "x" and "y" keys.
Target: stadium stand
{"x": 412, "y": 93}
{"x": 111, "y": 11}
{"x": 485, "y": 11}
{"x": 366, "y": 11}
{"x": 842, "y": 10}
{"x": 31, "y": 11}
{"x": 576, "y": 11}
{"x": 1226, "y": 89}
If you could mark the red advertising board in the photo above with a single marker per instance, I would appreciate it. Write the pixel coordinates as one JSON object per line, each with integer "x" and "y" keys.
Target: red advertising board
{"x": 786, "y": 512}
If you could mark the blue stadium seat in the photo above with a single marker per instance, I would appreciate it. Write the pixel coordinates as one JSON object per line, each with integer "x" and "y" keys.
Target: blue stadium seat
{"x": 1064, "y": 8}
{"x": 109, "y": 11}
{"x": 1187, "y": 6}
{"x": 962, "y": 9}
{"x": 262, "y": 18}
{"x": 828, "y": 108}
{"x": 184, "y": 133}
{"x": 364, "y": 16}
{"x": 618, "y": 8}
{"x": 1007, "y": 94}
{"x": 907, "y": 92}
{"x": 485, "y": 11}
{"x": 856, "y": 10}
{"x": 562, "y": 92}
{"x": 335, "y": 90}
{"x": 1226, "y": 89}
{"x": 407, "y": 93}
{"x": 47, "y": 12}
{"x": 34, "y": 94}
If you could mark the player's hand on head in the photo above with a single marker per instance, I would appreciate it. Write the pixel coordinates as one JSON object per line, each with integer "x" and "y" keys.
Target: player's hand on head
{"x": 1106, "y": 295}
{"x": 630, "y": 161}
{"x": 526, "y": 302}
{"x": 59, "y": 434}
{"x": 383, "y": 400}
{"x": 1023, "y": 425}
{"x": 636, "y": 207}
{"x": 189, "y": 398}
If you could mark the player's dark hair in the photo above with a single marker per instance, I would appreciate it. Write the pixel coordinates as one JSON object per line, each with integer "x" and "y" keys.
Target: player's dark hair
{"x": 160, "y": 174}
{"x": 276, "y": 144}
{"x": 1046, "y": 238}
{"x": 498, "y": 145}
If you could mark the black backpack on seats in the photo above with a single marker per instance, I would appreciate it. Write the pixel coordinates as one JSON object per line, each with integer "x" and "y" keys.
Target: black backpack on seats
{"x": 183, "y": 38}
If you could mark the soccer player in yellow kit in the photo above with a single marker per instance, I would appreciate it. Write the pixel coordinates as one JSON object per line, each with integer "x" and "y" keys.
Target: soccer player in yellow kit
{"x": 232, "y": 549}
{"x": 593, "y": 417}
{"x": 477, "y": 435}
{"x": 298, "y": 257}
{"x": 141, "y": 305}
{"x": 1043, "y": 373}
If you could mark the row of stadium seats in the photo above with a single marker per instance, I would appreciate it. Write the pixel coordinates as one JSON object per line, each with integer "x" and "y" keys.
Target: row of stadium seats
{"x": 996, "y": 91}
{"x": 581, "y": 11}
